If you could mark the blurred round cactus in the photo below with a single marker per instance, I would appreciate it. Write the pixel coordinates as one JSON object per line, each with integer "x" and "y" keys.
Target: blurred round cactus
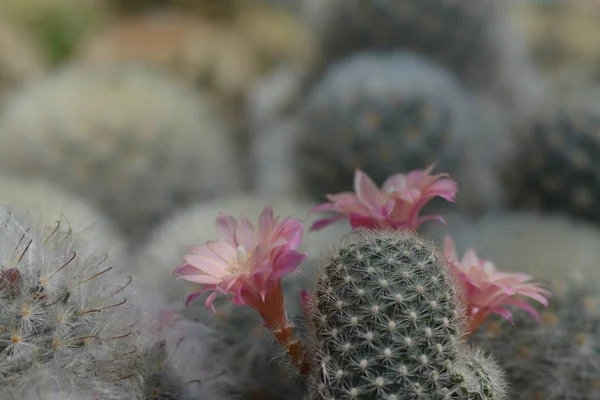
{"x": 58, "y": 26}
{"x": 50, "y": 204}
{"x": 68, "y": 322}
{"x": 390, "y": 113}
{"x": 555, "y": 166}
{"x": 202, "y": 52}
{"x": 20, "y": 59}
{"x": 134, "y": 143}
{"x": 251, "y": 354}
{"x": 475, "y": 39}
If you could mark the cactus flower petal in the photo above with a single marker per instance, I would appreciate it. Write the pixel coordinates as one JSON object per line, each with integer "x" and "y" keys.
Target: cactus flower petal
{"x": 395, "y": 205}
{"x": 488, "y": 291}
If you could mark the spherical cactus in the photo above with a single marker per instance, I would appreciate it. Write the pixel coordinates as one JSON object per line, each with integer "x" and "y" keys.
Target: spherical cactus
{"x": 50, "y": 204}
{"x": 389, "y": 113}
{"x": 554, "y": 168}
{"x": 474, "y": 39}
{"x": 68, "y": 323}
{"x": 251, "y": 353}
{"x": 557, "y": 358}
{"x": 136, "y": 144}
{"x": 388, "y": 324}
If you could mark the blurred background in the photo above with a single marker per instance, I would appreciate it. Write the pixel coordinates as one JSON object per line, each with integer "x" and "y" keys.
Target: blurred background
{"x": 144, "y": 107}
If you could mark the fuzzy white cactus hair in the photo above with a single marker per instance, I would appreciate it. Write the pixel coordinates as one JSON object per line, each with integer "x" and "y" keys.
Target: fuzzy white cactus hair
{"x": 65, "y": 315}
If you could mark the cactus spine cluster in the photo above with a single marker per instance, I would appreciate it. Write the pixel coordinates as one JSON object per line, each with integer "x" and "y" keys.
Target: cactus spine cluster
{"x": 388, "y": 324}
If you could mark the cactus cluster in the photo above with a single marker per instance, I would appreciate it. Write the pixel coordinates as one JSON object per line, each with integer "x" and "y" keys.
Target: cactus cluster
{"x": 135, "y": 143}
{"x": 555, "y": 166}
{"x": 388, "y": 324}
{"x": 384, "y": 113}
{"x": 68, "y": 322}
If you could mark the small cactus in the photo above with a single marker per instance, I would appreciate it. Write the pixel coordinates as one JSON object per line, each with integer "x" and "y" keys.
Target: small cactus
{"x": 388, "y": 324}
{"x": 67, "y": 322}
{"x": 136, "y": 144}
{"x": 555, "y": 166}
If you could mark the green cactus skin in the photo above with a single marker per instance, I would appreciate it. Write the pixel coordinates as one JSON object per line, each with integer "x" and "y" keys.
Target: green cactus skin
{"x": 388, "y": 324}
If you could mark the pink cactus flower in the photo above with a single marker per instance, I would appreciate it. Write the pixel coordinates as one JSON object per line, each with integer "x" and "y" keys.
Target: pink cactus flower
{"x": 487, "y": 290}
{"x": 245, "y": 262}
{"x": 396, "y": 205}
{"x": 249, "y": 264}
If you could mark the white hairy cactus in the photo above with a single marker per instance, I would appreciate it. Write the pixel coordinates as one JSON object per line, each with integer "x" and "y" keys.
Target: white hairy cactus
{"x": 68, "y": 321}
{"x": 134, "y": 142}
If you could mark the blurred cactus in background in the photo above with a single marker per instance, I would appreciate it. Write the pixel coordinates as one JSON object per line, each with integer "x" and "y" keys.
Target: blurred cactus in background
{"x": 50, "y": 204}
{"x": 137, "y": 144}
{"x": 58, "y": 26}
{"x": 21, "y": 59}
{"x": 384, "y": 113}
{"x": 475, "y": 39}
{"x": 554, "y": 167}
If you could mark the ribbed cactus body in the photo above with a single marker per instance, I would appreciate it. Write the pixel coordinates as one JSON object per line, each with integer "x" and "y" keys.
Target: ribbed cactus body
{"x": 556, "y": 165}
{"x": 387, "y": 324}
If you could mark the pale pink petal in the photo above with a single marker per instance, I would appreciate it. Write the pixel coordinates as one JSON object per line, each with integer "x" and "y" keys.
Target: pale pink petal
{"x": 202, "y": 250}
{"x": 368, "y": 222}
{"x": 222, "y": 250}
{"x": 245, "y": 234}
{"x": 450, "y": 249}
{"x": 212, "y": 266}
{"x": 504, "y": 313}
{"x": 287, "y": 262}
{"x": 265, "y": 222}
{"x": 367, "y": 192}
{"x": 324, "y": 222}
{"x": 225, "y": 228}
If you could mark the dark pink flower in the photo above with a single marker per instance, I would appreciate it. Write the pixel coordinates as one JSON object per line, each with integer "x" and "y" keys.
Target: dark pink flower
{"x": 396, "y": 205}
{"x": 487, "y": 290}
